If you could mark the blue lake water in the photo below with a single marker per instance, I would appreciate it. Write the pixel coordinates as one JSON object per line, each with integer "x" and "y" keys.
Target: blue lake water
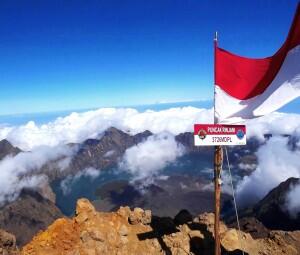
{"x": 83, "y": 187}
{"x": 191, "y": 165}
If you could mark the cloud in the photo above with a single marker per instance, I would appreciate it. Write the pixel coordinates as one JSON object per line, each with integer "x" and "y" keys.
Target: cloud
{"x": 77, "y": 127}
{"x": 144, "y": 160}
{"x": 67, "y": 183}
{"x": 292, "y": 203}
{"x": 22, "y": 170}
{"x": 276, "y": 163}
{"x": 275, "y": 123}
{"x": 247, "y": 167}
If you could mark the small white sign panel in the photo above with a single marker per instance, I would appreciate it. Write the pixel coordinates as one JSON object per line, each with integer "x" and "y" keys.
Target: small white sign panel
{"x": 215, "y": 134}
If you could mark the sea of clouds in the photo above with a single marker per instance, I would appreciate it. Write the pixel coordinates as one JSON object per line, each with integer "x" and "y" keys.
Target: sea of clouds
{"x": 144, "y": 161}
{"x": 276, "y": 162}
{"x": 22, "y": 171}
{"x": 77, "y": 127}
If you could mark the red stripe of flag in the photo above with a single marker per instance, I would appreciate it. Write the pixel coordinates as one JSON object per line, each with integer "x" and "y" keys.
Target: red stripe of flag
{"x": 244, "y": 78}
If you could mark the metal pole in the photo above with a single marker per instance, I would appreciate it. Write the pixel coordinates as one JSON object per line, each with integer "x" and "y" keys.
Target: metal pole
{"x": 218, "y": 160}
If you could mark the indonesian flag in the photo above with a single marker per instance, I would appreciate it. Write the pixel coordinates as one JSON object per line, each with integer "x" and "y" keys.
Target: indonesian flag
{"x": 247, "y": 88}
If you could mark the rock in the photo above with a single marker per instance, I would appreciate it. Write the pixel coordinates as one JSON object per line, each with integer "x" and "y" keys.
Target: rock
{"x": 85, "y": 236}
{"x": 147, "y": 217}
{"x": 96, "y": 235}
{"x": 80, "y": 218}
{"x": 184, "y": 228}
{"x": 178, "y": 243}
{"x": 84, "y": 206}
{"x": 84, "y": 210}
{"x": 7, "y": 243}
{"x": 7, "y": 240}
{"x": 231, "y": 240}
{"x": 252, "y": 226}
{"x": 136, "y": 216}
{"x": 196, "y": 233}
{"x": 207, "y": 221}
{"x": 124, "y": 212}
{"x": 111, "y": 233}
{"x": 140, "y": 216}
{"x": 123, "y": 231}
{"x": 124, "y": 239}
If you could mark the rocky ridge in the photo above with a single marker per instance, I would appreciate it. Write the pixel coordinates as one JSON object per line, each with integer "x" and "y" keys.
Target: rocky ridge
{"x": 27, "y": 215}
{"x": 137, "y": 231}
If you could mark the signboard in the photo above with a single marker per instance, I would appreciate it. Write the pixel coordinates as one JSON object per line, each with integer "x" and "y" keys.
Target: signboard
{"x": 215, "y": 134}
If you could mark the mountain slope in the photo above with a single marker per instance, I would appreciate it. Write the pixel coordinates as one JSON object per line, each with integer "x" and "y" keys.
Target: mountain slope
{"x": 30, "y": 213}
{"x": 270, "y": 210}
{"x": 104, "y": 152}
{"x": 7, "y": 149}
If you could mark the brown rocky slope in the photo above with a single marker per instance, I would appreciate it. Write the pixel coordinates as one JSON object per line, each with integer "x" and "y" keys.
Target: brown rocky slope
{"x": 27, "y": 215}
{"x": 138, "y": 232}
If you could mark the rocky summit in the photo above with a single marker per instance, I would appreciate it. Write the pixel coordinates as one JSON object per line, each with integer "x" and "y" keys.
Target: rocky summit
{"x": 138, "y": 232}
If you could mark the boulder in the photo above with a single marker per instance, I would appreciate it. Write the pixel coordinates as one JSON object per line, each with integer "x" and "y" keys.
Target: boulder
{"x": 138, "y": 215}
{"x": 84, "y": 210}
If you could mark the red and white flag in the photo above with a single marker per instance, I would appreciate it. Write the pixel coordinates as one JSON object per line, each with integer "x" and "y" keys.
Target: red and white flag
{"x": 246, "y": 88}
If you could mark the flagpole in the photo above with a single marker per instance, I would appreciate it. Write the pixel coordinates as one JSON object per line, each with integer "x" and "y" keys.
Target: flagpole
{"x": 218, "y": 160}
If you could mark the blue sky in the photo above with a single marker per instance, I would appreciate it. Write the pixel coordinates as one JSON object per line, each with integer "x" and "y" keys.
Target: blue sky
{"x": 61, "y": 55}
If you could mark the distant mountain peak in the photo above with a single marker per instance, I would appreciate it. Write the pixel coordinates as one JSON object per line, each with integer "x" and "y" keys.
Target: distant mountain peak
{"x": 6, "y": 148}
{"x": 271, "y": 209}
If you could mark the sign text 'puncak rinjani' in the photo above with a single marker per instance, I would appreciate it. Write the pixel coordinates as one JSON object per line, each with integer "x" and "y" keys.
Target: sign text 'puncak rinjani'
{"x": 212, "y": 134}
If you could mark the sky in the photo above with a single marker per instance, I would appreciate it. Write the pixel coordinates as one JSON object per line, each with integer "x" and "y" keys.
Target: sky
{"x": 63, "y": 55}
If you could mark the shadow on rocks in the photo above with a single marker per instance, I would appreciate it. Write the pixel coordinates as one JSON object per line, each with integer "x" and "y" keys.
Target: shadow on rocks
{"x": 204, "y": 245}
{"x": 161, "y": 226}
{"x": 201, "y": 239}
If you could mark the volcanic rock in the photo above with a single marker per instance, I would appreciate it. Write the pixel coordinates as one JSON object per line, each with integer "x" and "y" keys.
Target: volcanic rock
{"x": 112, "y": 233}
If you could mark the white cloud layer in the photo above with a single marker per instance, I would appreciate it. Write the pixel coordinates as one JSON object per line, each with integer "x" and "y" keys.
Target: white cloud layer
{"x": 276, "y": 163}
{"x": 18, "y": 172}
{"x": 77, "y": 127}
{"x": 275, "y": 123}
{"x": 292, "y": 200}
{"x": 146, "y": 159}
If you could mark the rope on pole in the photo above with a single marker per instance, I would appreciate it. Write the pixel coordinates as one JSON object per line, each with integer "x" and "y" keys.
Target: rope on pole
{"x": 234, "y": 201}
